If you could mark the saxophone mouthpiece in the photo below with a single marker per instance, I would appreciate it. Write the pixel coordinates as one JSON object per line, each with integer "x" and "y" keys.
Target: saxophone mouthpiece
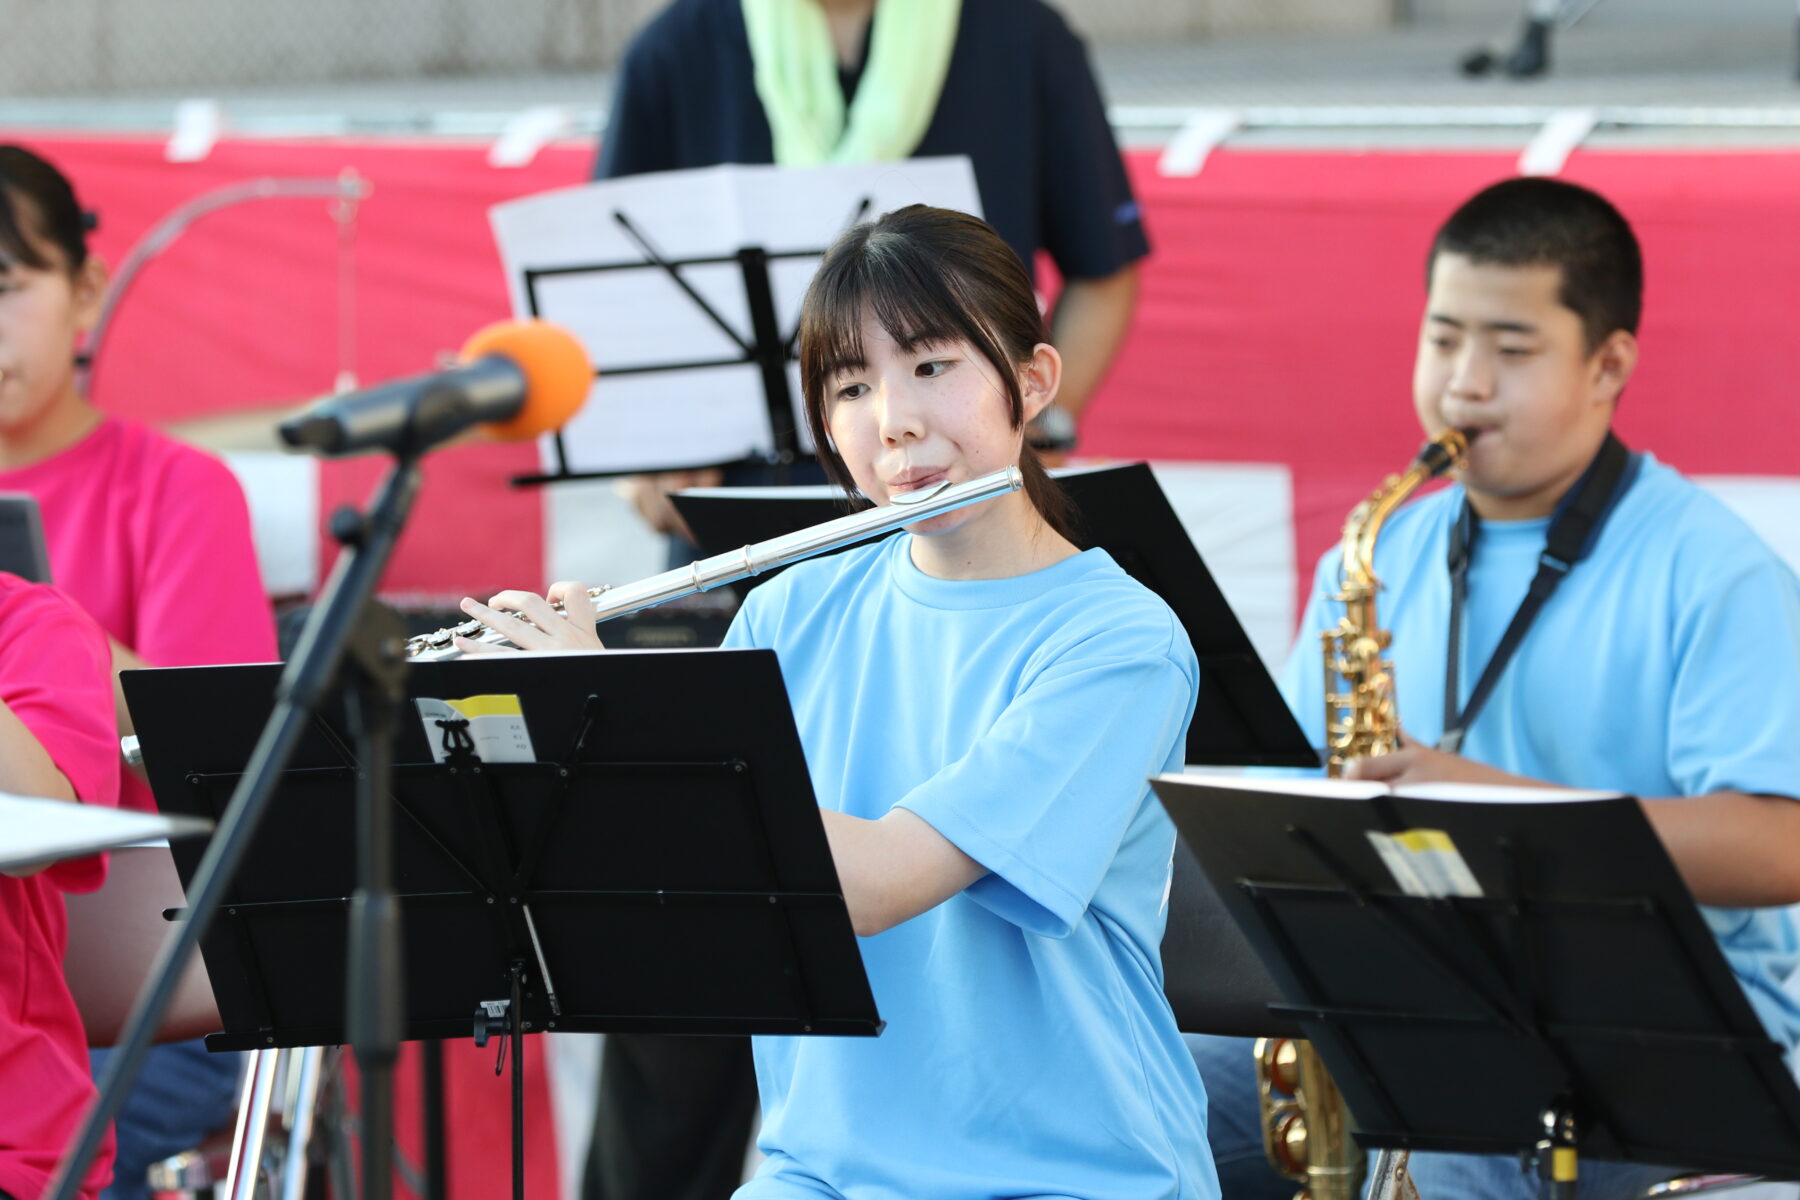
{"x": 1444, "y": 451}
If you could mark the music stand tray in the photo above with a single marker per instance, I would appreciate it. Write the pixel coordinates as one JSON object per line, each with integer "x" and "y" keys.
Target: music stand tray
{"x": 659, "y": 867}
{"x": 1240, "y": 719}
{"x": 1579, "y": 979}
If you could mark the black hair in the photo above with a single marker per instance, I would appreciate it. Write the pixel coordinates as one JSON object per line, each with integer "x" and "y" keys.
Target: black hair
{"x": 38, "y": 205}
{"x": 1531, "y": 222}
{"x": 926, "y": 275}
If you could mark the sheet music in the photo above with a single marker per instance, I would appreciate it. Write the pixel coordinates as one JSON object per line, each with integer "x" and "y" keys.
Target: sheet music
{"x": 1267, "y": 780}
{"x": 495, "y": 726}
{"x": 570, "y": 258}
{"x": 1493, "y": 793}
{"x": 38, "y": 831}
{"x": 1421, "y": 861}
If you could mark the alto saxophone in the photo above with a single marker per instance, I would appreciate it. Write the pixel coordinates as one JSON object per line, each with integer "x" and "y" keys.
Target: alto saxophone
{"x": 1306, "y": 1128}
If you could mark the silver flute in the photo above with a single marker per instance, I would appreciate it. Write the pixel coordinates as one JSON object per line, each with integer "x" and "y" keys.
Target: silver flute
{"x": 709, "y": 573}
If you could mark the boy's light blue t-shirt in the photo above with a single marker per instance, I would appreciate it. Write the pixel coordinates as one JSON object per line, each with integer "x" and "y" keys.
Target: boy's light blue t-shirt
{"x": 1666, "y": 664}
{"x": 1029, "y": 1049}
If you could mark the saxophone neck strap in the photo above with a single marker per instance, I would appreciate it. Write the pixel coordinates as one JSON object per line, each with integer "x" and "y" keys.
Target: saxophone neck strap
{"x": 1574, "y": 530}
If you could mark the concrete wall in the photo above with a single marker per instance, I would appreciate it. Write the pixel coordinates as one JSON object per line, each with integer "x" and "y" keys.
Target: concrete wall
{"x": 1143, "y": 20}
{"x": 62, "y": 47}
{"x": 1498, "y": 13}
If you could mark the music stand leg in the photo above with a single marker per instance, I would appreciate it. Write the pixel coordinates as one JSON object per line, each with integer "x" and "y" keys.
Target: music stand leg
{"x": 308, "y": 1063}
{"x": 488, "y": 1015}
{"x": 517, "y": 1033}
{"x": 1392, "y": 1180}
{"x": 374, "y": 675}
{"x": 339, "y": 1159}
{"x": 252, "y": 1125}
{"x": 431, "y": 1057}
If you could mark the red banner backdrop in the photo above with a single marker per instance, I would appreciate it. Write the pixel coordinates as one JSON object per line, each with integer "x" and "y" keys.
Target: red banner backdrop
{"x": 1276, "y": 324}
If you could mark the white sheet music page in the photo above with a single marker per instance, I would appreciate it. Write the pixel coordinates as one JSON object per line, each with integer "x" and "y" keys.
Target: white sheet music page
{"x": 675, "y": 388}
{"x": 1422, "y": 861}
{"x": 39, "y": 831}
{"x": 1312, "y": 784}
{"x": 1489, "y": 793}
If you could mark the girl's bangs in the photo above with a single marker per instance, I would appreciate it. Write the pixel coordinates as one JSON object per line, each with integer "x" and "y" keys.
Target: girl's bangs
{"x": 15, "y": 247}
{"x": 913, "y": 305}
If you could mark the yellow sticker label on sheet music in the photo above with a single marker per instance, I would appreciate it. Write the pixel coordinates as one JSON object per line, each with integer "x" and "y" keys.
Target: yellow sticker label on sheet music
{"x": 1425, "y": 862}
{"x": 487, "y": 706}
{"x": 1424, "y": 841}
{"x": 495, "y": 726}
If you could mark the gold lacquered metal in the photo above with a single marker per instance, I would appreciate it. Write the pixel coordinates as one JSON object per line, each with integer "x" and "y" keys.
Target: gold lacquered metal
{"x": 1360, "y": 718}
{"x": 1306, "y": 1128}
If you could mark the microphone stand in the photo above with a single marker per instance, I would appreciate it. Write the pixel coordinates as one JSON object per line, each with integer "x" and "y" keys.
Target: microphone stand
{"x": 359, "y": 645}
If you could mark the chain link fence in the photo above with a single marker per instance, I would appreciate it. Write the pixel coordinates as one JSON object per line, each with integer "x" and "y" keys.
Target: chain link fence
{"x": 67, "y": 48}
{"x": 100, "y": 47}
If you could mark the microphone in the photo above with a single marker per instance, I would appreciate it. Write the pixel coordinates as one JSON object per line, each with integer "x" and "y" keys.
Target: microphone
{"x": 517, "y": 379}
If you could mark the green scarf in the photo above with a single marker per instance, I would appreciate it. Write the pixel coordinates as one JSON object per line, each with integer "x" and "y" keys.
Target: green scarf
{"x": 797, "y": 79}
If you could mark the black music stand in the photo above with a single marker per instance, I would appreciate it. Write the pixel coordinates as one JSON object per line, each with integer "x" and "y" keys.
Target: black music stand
{"x": 1240, "y": 719}
{"x": 1212, "y": 977}
{"x": 660, "y": 868}
{"x": 1581, "y": 992}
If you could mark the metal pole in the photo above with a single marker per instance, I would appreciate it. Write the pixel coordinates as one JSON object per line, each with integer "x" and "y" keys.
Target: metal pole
{"x": 308, "y": 1067}
{"x": 252, "y": 1126}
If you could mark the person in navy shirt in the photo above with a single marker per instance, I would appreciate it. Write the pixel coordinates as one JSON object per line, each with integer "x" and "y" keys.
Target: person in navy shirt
{"x": 982, "y": 706}
{"x": 1665, "y": 664}
{"x": 1018, "y": 98}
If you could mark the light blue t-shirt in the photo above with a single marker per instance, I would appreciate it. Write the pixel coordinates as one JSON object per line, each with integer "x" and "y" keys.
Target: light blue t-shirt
{"x": 1029, "y": 1049}
{"x": 1666, "y": 664}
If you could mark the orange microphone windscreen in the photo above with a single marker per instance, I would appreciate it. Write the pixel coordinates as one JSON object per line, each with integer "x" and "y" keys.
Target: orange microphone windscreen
{"x": 557, "y": 374}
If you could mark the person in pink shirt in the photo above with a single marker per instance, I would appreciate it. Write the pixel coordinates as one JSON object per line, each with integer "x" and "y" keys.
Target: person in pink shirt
{"x": 150, "y": 536}
{"x": 56, "y": 740}
{"x": 140, "y": 528}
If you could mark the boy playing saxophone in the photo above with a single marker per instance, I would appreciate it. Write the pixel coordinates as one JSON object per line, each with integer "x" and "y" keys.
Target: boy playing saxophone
{"x": 1569, "y": 614}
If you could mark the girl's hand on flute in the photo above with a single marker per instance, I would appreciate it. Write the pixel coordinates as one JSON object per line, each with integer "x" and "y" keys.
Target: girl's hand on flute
{"x": 529, "y": 622}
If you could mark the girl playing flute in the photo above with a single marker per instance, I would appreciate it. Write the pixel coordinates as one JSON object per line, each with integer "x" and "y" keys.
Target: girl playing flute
{"x": 981, "y": 704}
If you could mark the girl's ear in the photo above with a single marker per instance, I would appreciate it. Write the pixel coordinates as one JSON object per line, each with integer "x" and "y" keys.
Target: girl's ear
{"x": 1039, "y": 379}
{"x": 90, "y": 293}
